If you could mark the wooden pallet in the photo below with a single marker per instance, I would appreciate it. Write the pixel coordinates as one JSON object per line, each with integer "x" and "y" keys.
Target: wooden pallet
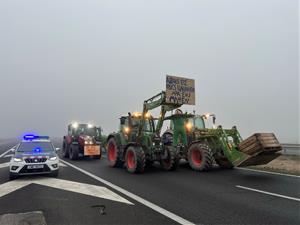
{"x": 260, "y": 142}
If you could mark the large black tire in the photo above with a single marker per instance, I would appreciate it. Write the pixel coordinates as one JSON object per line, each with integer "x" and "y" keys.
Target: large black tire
{"x": 73, "y": 152}
{"x": 135, "y": 159}
{"x": 113, "y": 153}
{"x": 200, "y": 157}
{"x": 171, "y": 162}
{"x": 224, "y": 163}
{"x": 65, "y": 149}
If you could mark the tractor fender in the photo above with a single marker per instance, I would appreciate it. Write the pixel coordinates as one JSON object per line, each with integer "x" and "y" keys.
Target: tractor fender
{"x": 198, "y": 142}
{"x": 117, "y": 137}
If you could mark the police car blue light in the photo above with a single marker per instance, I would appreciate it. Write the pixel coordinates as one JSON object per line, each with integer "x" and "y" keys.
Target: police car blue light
{"x": 37, "y": 150}
{"x": 30, "y": 137}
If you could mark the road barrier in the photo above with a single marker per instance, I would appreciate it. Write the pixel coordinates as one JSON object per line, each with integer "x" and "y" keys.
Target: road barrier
{"x": 291, "y": 149}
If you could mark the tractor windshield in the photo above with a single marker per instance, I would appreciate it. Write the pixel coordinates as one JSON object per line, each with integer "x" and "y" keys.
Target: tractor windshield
{"x": 147, "y": 125}
{"x": 199, "y": 123}
{"x": 84, "y": 129}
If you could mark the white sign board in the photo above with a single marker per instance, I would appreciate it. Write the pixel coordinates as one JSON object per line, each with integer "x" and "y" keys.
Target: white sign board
{"x": 180, "y": 90}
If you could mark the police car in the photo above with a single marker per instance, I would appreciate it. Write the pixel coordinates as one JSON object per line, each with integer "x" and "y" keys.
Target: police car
{"x": 34, "y": 155}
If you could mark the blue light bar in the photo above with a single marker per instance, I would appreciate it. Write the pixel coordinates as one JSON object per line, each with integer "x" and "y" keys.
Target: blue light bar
{"x": 30, "y": 137}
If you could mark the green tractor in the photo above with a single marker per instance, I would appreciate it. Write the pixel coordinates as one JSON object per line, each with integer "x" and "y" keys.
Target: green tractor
{"x": 202, "y": 146}
{"x": 138, "y": 142}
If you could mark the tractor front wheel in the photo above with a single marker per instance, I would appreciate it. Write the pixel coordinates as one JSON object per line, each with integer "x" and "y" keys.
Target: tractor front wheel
{"x": 113, "y": 153}
{"x": 200, "y": 157}
{"x": 171, "y": 162}
{"x": 135, "y": 159}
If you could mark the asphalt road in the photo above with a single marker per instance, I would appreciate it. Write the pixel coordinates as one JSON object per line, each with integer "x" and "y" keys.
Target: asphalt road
{"x": 156, "y": 197}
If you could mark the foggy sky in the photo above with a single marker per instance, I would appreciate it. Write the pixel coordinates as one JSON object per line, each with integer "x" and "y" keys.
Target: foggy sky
{"x": 93, "y": 61}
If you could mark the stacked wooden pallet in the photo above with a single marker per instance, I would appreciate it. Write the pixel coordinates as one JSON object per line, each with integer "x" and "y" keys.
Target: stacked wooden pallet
{"x": 260, "y": 142}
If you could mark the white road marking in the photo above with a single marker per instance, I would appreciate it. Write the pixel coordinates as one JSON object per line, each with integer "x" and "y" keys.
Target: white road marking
{"x": 145, "y": 202}
{"x": 268, "y": 193}
{"x": 8, "y": 156}
{"x": 3, "y": 165}
{"x": 62, "y": 164}
{"x": 261, "y": 171}
{"x": 82, "y": 188}
{"x": 9, "y": 150}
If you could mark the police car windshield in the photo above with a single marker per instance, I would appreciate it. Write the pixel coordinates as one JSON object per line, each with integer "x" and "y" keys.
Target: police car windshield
{"x": 36, "y": 147}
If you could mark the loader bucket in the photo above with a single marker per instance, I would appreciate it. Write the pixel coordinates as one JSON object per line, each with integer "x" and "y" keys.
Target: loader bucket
{"x": 259, "y": 149}
{"x": 259, "y": 159}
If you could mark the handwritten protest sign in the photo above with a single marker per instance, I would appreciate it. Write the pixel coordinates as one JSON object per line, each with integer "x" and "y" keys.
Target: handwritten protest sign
{"x": 180, "y": 90}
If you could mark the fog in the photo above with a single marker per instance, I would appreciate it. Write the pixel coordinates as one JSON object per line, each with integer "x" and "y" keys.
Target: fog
{"x": 93, "y": 61}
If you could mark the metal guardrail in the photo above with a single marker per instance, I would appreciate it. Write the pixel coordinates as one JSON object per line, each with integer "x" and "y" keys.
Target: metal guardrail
{"x": 291, "y": 149}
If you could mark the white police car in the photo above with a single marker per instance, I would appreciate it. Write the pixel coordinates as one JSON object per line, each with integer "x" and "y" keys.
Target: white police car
{"x": 34, "y": 155}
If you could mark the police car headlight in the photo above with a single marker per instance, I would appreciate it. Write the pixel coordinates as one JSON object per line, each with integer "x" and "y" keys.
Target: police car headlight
{"x": 53, "y": 158}
{"x": 17, "y": 159}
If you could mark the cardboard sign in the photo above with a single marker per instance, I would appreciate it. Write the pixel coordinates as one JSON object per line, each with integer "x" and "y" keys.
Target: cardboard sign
{"x": 92, "y": 150}
{"x": 180, "y": 90}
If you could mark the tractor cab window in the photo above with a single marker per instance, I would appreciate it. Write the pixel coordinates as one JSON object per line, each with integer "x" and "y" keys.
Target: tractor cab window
{"x": 148, "y": 127}
{"x": 199, "y": 123}
{"x": 85, "y": 130}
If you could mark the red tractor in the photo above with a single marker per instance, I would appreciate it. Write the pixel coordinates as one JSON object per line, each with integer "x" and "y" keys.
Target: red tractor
{"x": 82, "y": 140}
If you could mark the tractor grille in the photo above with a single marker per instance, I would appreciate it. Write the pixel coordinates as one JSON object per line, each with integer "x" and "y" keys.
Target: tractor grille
{"x": 43, "y": 170}
{"x": 36, "y": 160}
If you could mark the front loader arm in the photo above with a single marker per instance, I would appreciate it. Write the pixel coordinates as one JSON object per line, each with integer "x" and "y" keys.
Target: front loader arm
{"x": 152, "y": 103}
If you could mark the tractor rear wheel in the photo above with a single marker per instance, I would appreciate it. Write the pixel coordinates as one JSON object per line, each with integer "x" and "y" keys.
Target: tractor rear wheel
{"x": 200, "y": 157}
{"x": 65, "y": 150}
{"x": 113, "y": 154}
{"x": 73, "y": 152}
{"x": 135, "y": 159}
{"x": 171, "y": 162}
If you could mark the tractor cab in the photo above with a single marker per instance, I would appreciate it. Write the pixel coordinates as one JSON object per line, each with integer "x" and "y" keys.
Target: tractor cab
{"x": 76, "y": 130}
{"x": 132, "y": 122}
{"x": 196, "y": 122}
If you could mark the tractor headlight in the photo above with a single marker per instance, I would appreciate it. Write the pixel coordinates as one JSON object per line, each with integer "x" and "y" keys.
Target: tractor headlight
{"x": 75, "y": 125}
{"x": 17, "y": 159}
{"x": 53, "y": 158}
{"x": 126, "y": 130}
{"x": 86, "y": 142}
{"x": 188, "y": 126}
{"x": 147, "y": 115}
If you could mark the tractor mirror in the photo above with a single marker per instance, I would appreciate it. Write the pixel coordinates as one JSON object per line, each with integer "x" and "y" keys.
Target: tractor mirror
{"x": 123, "y": 120}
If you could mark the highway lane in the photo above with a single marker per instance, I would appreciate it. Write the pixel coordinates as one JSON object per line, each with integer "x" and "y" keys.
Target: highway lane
{"x": 60, "y": 206}
{"x": 205, "y": 198}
